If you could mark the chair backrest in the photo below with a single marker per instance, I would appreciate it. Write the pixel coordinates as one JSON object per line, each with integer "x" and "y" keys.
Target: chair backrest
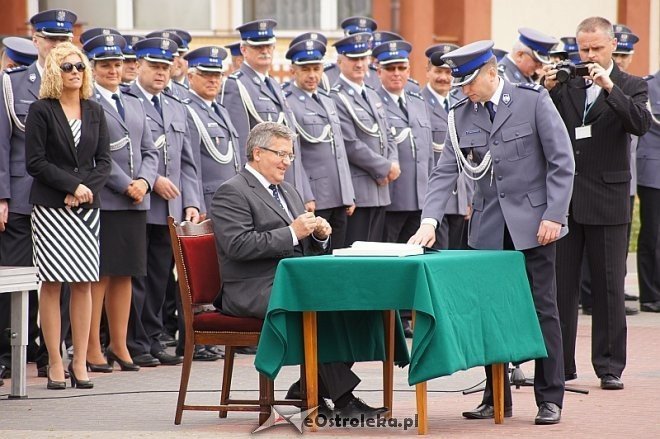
{"x": 196, "y": 259}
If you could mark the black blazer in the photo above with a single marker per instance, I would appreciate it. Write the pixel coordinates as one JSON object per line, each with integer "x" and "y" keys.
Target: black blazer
{"x": 601, "y": 188}
{"x": 58, "y": 167}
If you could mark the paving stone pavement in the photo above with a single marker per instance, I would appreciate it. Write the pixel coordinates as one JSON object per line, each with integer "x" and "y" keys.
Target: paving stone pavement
{"x": 142, "y": 404}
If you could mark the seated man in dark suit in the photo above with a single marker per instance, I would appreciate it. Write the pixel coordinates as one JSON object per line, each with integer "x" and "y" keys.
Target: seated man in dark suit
{"x": 258, "y": 219}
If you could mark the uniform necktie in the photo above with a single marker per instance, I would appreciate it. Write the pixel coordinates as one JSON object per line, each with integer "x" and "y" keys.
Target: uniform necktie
{"x": 120, "y": 107}
{"x": 156, "y": 103}
{"x": 491, "y": 110}
{"x": 445, "y": 104}
{"x": 269, "y": 84}
{"x": 364, "y": 95}
{"x": 276, "y": 195}
{"x": 216, "y": 109}
{"x": 315, "y": 96}
{"x": 402, "y": 106}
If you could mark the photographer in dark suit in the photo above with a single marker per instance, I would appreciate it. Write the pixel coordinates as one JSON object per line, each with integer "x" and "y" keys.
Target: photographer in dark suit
{"x": 258, "y": 219}
{"x": 600, "y": 119}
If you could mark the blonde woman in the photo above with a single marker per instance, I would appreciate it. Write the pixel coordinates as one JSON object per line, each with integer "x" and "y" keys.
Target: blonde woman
{"x": 67, "y": 153}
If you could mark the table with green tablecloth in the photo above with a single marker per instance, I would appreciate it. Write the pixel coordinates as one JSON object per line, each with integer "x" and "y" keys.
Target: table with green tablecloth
{"x": 472, "y": 308}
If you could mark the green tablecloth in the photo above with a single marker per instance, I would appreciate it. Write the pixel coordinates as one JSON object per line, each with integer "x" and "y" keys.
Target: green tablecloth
{"x": 473, "y": 308}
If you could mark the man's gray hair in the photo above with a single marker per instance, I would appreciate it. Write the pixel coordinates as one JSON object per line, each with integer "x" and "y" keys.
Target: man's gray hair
{"x": 593, "y": 24}
{"x": 262, "y": 135}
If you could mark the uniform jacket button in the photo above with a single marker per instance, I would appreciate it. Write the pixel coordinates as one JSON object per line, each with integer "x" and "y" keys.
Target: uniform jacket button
{"x": 75, "y": 170}
{"x": 501, "y": 194}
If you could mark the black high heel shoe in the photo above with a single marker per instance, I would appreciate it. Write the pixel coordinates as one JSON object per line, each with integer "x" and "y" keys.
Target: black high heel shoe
{"x": 75, "y": 382}
{"x": 54, "y": 385}
{"x": 125, "y": 365}
{"x": 104, "y": 368}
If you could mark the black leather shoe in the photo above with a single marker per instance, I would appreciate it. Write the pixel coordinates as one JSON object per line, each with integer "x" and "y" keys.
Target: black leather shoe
{"x": 631, "y": 311}
{"x": 246, "y": 350}
{"x": 215, "y": 349}
{"x": 611, "y": 382}
{"x": 42, "y": 372}
{"x": 570, "y": 377}
{"x": 630, "y": 297}
{"x": 2, "y": 374}
{"x": 166, "y": 340}
{"x": 146, "y": 360}
{"x": 357, "y": 407}
{"x": 103, "y": 368}
{"x": 651, "y": 306}
{"x": 167, "y": 359}
{"x": 549, "y": 413}
{"x": 201, "y": 354}
{"x": 407, "y": 329}
{"x": 485, "y": 411}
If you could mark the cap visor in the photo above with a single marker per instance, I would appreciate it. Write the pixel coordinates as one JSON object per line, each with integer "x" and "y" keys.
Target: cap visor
{"x": 56, "y": 34}
{"x": 101, "y": 57}
{"x": 267, "y": 42}
{"x": 359, "y": 54}
{"x": 464, "y": 80}
{"x": 209, "y": 69}
{"x": 158, "y": 60}
{"x": 392, "y": 61}
{"x": 309, "y": 61}
{"x": 543, "y": 59}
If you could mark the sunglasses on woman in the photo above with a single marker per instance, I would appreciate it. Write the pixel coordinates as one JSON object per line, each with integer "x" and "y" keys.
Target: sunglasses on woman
{"x": 67, "y": 67}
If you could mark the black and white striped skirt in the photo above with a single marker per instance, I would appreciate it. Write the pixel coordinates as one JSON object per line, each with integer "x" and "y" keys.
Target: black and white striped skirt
{"x": 66, "y": 243}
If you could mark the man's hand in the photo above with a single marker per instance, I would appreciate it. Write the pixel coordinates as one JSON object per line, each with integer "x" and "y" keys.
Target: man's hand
{"x": 310, "y": 206}
{"x": 548, "y": 232}
{"x": 350, "y": 209}
{"x": 304, "y": 225}
{"x": 192, "y": 214}
{"x": 4, "y": 214}
{"x": 83, "y": 194}
{"x": 468, "y": 215}
{"x": 395, "y": 171}
{"x": 137, "y": 190}
{"x": 600, "y": 77}
{"x": 550, "y": 78}
{"x": 425, "y": 236}
{"x": 322, "y": 229}
{"x": 165, "y": 188}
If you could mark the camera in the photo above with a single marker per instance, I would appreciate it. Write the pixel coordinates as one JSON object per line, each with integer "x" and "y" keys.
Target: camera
{"x": 567, "y": 70}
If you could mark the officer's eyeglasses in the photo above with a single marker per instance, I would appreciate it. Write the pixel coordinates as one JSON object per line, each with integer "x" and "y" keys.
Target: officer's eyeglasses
{"x": 281, "y": 154}
{"x": 54, "y": 40}
{"x": 68, "y": 67}
{"x": 395, "y": 68}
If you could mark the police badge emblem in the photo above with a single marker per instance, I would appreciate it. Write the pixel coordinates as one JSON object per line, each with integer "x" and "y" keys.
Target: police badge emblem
{"x": 61, "y": 15}
{"x": 362, "y": 23}
{"x": 393, "y": 46}
{"x": 506, "y": 98}
{"x": 314, "y": 36}
{"x": 109, "y": 40}
{"x": 263, "y": 25}
{"x": 165, "y": 45}
{"x": 32, "y": 77}
{"x": 309, "y": 45}
{"x": 214, "y": 52}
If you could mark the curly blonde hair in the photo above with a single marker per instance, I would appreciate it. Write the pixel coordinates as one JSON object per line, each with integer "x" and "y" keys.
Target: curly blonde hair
{"x": 51, "y": 81}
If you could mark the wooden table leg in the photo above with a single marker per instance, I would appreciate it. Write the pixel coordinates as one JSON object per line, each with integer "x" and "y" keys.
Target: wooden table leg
{"x": 388, "y": 364}
{"x": 420, "y": 394}
{"x": 498, "y": 392}
{"x": 311, "y": 362}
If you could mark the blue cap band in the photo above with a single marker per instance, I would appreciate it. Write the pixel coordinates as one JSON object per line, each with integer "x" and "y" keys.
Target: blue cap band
{"x": 472, "y": 65}
{"x": 20, "y": 57}
{"x": 543, "y": 50}
{"x": 354, "y": 29}
{"x": 205, "y": 61}
{"x": 52, "y": 25}
{"x": 398, "y": 54}
{"x": 257, "y": 34}
{"x": 154, "y": 52}
{"x": 105, "y": 50}
{"x": 307, "y": 55}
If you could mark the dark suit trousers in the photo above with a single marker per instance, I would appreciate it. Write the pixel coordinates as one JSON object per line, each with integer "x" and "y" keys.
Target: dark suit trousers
{"x": 548, "y": 372}
{"x": 338, "y": 220}
{"x": 648, "y": 244}
{"x": 335, "y": 380}
{"x": 16, "y": 250}
{"x": 606, "y": 252}
{"x": 146, "y": 319}
{"x": 451, "y": 233}
{"x": 400, "y": 226}
{"x": 366, "y": 224}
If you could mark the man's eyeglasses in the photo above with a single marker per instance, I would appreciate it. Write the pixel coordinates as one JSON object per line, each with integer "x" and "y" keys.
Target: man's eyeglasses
{"x": 54, "y": 39}
{"x": 67, "y": 67}
{"x": 395, "y": 68}
{"x": 281, "y": 154}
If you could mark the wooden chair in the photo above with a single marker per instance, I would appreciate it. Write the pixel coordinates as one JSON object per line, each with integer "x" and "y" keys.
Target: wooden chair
{"x": 199, "y": 279}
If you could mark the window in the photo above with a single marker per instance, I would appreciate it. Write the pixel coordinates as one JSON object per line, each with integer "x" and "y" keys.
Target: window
{"x": 162, "y": 14}
{"x": 290, "y": 14}
{"x": 90, "y": 13}
{"x": 350, "y": 8}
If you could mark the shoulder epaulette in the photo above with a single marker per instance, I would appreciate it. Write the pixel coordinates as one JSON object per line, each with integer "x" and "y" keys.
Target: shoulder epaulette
{"x": 501, "y": 68}
{"x": 237, "y": 74}
{"x": 329, "y": 66}
{"x": 459, "y": 103}
{"x": 369, "y": 87}
{"x": 373, "y": 67}
{"x": 528, "y": 86}
{"x": 287, "y": 93}
{"x": 414, "y": 81}
{"x": 128, "y": 92}
{"x": 319, "y": 90}
{"x": 285, "y": 85}
{"x": 171, "y": 96}
{"x": 180, "y": 84}
{"x": 16, "y": 69}
{"x": 414, "y": 94}
{"x": 648, "y": 77}
{"x": 336, "y": 88}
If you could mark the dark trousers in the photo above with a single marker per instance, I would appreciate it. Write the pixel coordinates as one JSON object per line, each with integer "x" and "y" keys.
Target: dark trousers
{"x": 585, "y": 284}
{"x": 366, "y": 224}
{"x": 16, "y": 250}
{"x": 452, "y": 233}
{"x": 648, "y": 244}
{"x": 170, "y": 317}
{"x": 606, "y": 252}
{"x": 400, "y": 226}
{"x": 335, "y": 380}
{"x": 548, "y": 372}
{"x": 338, "y": 220}
{"x": 146, "y": 319}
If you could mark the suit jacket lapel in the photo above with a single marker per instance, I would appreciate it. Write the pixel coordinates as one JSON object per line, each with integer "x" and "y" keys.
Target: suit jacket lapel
{"x": 111, "y": 110}
{"x": 168, "y": 112}
{"x": 265, "y": 195}
{"x": 503, "y": 110}
{"x": 61, "y": 119}
{"x": 148, "y": 106}
{"x": 390, "y": 104}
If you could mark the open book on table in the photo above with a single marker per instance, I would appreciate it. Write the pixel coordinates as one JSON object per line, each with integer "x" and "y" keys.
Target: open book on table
{"x": 367, "y": 248}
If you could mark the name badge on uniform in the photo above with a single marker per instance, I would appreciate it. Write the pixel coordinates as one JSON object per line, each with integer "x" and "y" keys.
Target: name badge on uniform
{"x": 212, "y": 125}
{"x": 583, "y": 132}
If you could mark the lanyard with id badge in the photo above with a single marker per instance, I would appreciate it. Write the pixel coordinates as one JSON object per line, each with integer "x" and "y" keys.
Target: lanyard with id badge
{"x": 584, "y": 132}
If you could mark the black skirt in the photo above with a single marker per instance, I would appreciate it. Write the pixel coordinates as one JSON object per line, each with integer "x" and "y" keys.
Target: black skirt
{"x": 123, "y": 243}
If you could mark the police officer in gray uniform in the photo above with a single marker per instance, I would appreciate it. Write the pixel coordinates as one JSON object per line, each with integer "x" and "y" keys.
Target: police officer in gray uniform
{"x": 525, "y": 177}
{"x": 213, "y": 137}
{"x": 372, "y": 79}
{"x": 252, "y": 96}
{"x": 129, "y": 69}
{"x": 322, "y": 150}
{"x": 452, "y": 231}
{"x": 19, "y": 89}
{"x": 324, "y": 83}
{"x": 175, "y": 192}
{"x": 174, "y": 88}
{"x": 648, "y": 190}
{"x": 372, "y": 153}
{"x": 411, "y": 129}
{"x": 17, "y": 52}
{"x": 350, "y": 25}
{"x": 528, "y": 55}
